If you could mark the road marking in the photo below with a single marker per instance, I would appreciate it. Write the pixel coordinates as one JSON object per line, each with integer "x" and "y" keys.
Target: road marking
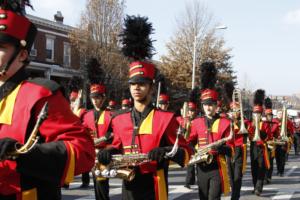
{"x": 284, "y": 194}
{"x": 291, "y": 170}
{"x": 178, "y": 191}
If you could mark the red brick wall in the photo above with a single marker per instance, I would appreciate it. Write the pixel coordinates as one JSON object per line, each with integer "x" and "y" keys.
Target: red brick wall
{"x": 40, "y": 46}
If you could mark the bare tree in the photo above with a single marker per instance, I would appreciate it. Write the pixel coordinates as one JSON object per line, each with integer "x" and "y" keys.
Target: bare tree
{"x": 195, "y": 26}
{"x": 97, "y": 36}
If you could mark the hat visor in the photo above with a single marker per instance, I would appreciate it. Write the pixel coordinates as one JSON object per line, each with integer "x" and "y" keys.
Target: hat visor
{"x": 163, "y": 102}
{"x": 96, "y": 94}
{"x": 5, "y": 38}
{"x": 208, "y": 101}
{"x": 140, "y": 79}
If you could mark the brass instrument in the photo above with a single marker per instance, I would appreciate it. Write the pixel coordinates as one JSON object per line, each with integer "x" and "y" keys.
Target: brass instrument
{"x": 274, "y": 142}
{"x": 237, "y": 97}
{"x": 97, "y": 141}
{"x": 256, "y": 118}
{"x": 186, "y": 120}
{"x": 77, "y": 103}
{"x": 33, "y": 138}
{"x": 283, "y": 129}
{"x": 203, "y": 156}
{"x": 174, "y": 149}
{"x": 121, "y": 166}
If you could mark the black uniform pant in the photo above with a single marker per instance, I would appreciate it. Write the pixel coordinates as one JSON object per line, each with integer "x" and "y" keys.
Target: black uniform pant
{"x": 296, "y": 142}
{"x": 141, "y": 187}
{"x": 235, "y": 166}
{"x": 280, "y": 156}
{"x": 101, "y": 188}
{"x": 209, "y": 182}
{"x": 85, "y": 178}
{"x": 190, "y": 175}
{"x": 269, "y": 172}
{"x": 258, "y": 169}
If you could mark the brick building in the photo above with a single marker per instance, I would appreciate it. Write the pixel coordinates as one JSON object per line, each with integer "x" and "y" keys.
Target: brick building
{"x": 51, "y": 55}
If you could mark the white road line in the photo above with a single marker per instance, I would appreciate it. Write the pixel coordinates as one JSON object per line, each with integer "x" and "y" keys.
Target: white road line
{"x": 284, "y": 194}
{"x": 291, "y": 170}
{"x": 179, "y": 191}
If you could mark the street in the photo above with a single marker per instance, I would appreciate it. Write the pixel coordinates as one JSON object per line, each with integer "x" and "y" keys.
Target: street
{"x": 286, "y": 187}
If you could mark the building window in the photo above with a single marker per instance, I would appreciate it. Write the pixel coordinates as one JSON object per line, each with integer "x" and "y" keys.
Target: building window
{"x": 67, "y": 54}
{"x": 33, "y": 51}
{"x": 50, "y": 48}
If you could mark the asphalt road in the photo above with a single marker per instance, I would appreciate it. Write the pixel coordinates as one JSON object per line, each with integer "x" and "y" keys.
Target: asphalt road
{"x": 286, "y": 187}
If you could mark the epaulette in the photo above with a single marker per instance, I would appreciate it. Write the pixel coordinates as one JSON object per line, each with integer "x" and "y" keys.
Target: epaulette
{"x": 120, "y": 112}
{"x": 49, "y": 84}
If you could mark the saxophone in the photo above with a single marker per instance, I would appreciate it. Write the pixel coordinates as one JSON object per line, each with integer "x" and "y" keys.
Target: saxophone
{"x": 121, "y": 166}
{"x": 33, "y": 138}
{"x": 203, "y": 155}
{"x": 97, "y": 141}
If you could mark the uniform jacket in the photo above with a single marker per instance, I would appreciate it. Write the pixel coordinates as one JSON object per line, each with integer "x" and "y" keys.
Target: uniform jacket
{"x": 63, "y": 150}
{"x": 98, "y": 127}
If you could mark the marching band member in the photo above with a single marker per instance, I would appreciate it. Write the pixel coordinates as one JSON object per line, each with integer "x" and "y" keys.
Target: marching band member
{"x": 144, "y": 129}
{"x": 187, "y": 124}
{"x": 126, "y": 102}
{"x": 75, "y": 99}
{"x": 282, "y": 150}
{"x": 97, "y": 120}
{"x": 212, "y": 178}
{"x": 274, "y": 130}
{"x": 112, "y": 104}
{"x": 258, "y": 149}
{"x": 237, "y": 163}
{"x": 31, "y": 108}
{"x": 297, "y": 134}
{"x": 164, "y": 97}
{"x": 164, "y": 101}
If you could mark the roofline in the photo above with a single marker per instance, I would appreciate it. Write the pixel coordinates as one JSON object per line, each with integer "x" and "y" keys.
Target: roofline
{"x": 49, "y": 23}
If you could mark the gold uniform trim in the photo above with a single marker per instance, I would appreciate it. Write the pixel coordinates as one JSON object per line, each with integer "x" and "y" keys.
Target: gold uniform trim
{"x": 135, "y": 67}
{"x": 186, "y": 157}
{"x": 136, "y": 73}
{"x": 29, "y": 194}
{"x": 215, "y": 126}
{"x": 225, "y": 175}
{"x": 71, "y": 168}
{"x": 77, "y": 112}
{"x": 146, "y": 126}
{"x": 162, "y": 192}
{"x": 7, "y": 106}
{"x": 101, "y": 118}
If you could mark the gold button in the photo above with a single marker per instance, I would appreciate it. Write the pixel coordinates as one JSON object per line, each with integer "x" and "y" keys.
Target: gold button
{"x": 3, "y": 16}
{"x": 3, "y": 27}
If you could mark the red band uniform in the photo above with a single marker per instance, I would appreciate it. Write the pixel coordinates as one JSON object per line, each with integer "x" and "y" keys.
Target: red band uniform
{"x": 144, "y": 129}
{"x": 273, "y": 131}
{"x": 155, "y": 129}
{"x": 64, "y": 148}
{"x": 238, "y": 162}
{"x": 258, "y": 149}
{"x": 213, "y": 179}
{"x": 97, "y": 120}
{"x": 281, "y": 152}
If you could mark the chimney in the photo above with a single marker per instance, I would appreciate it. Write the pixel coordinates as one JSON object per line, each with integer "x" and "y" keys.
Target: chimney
{"x": 58, "y": 17}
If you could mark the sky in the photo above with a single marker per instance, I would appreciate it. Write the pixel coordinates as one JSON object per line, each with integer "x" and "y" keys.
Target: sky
{"x": 264, "y": 35}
